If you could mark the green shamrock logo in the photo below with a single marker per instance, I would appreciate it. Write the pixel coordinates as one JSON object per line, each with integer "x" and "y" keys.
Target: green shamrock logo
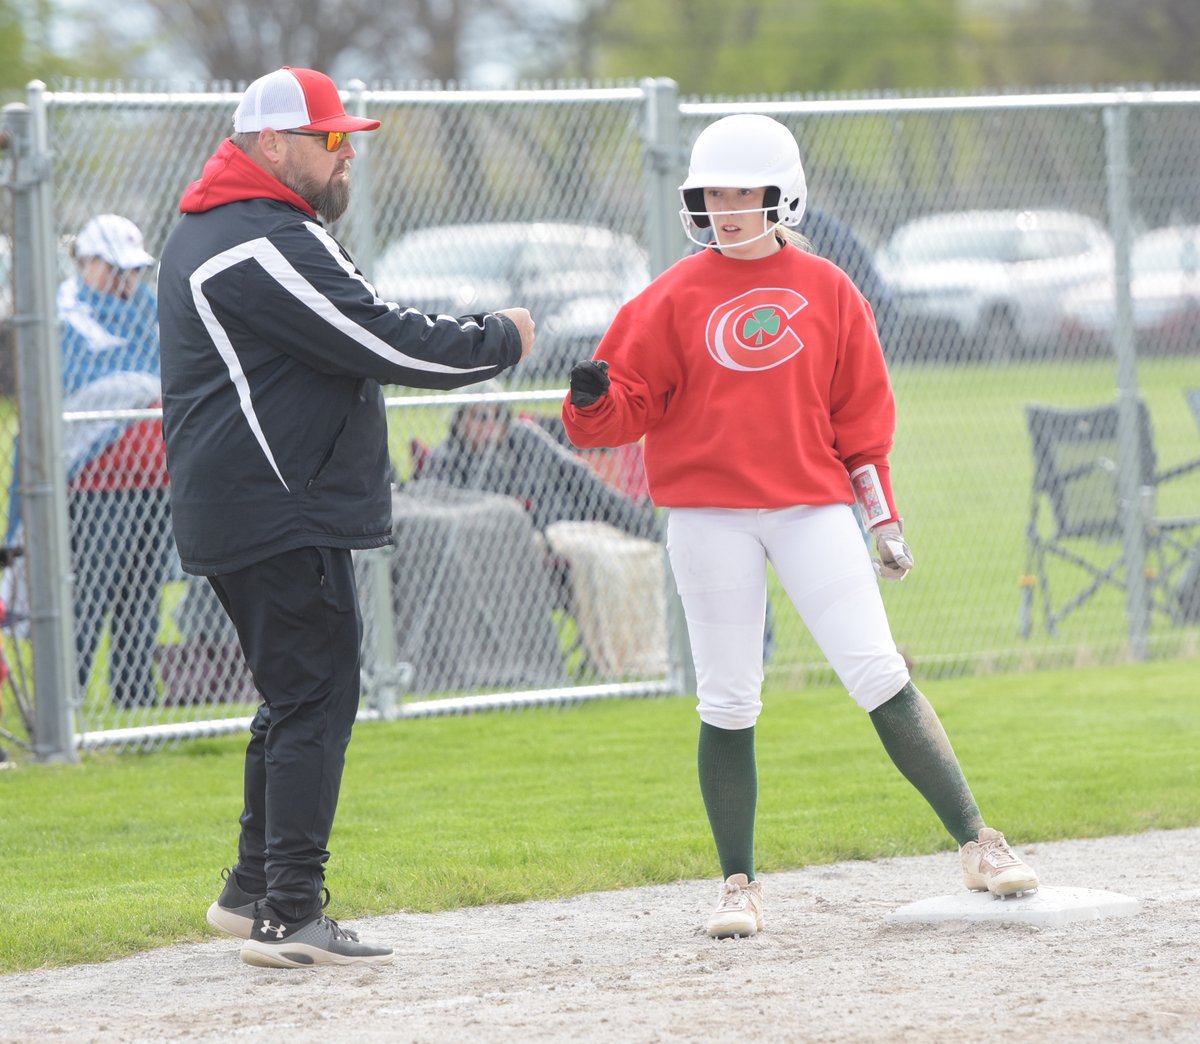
{"x": 762, "y": 321}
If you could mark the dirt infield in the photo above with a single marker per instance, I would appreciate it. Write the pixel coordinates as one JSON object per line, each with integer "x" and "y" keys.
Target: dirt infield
{"x": 635, "y": 966}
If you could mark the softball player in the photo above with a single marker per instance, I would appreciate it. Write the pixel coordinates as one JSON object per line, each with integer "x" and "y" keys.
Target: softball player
{"x": 754, "y": 371}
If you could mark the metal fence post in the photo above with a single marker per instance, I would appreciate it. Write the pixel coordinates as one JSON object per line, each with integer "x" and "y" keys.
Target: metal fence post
{"x": 42, "y": 481}
{"x": 1129, "y": 475}
{"x": 360, "y": 237}
{"x": 385, "y": 678}
{"x": 664, "y": 160}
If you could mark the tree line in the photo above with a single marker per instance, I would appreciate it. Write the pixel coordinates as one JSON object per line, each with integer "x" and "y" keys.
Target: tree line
{"x": 709, "y": 47}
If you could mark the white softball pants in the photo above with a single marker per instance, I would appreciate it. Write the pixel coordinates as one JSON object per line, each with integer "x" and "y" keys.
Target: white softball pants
{"x": 719, "y": 557}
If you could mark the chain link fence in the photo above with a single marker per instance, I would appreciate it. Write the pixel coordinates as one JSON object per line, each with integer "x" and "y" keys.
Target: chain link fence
{"x": 1034, "y": 264}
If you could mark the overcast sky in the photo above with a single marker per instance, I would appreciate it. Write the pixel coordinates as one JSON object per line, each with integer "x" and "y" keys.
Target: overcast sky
{"x": 70, "y": 35}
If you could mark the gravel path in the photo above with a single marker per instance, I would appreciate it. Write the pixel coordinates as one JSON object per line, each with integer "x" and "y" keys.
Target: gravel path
{"x": 635, "y": 966}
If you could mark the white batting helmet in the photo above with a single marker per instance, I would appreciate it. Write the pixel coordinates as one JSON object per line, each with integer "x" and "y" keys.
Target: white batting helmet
{"x": 746, "y": 151}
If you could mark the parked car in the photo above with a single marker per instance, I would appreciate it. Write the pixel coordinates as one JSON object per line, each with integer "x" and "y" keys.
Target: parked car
{"x": 573, "y": 278}
{"x": 989, "y": 283}
{"x": 1164, "y": 285}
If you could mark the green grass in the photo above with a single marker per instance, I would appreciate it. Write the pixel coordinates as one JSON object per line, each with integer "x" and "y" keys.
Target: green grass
{"x": 121, "y": 853}
{"x": 962, "y": 470}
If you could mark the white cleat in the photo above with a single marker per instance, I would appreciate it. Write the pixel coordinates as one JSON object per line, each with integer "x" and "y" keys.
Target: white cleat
{"x": 988, "y": 865}
{"x": 739, "y": 914}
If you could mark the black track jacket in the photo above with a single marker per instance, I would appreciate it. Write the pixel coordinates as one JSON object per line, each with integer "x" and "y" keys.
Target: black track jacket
{"x": 274, "y": 347}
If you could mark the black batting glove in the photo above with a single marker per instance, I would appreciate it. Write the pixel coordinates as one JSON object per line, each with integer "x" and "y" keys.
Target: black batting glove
{"x": 589, "y": 382}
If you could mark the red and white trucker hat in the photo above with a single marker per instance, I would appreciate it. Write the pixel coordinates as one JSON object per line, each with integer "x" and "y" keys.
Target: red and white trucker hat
{"x": 295, "y": 99}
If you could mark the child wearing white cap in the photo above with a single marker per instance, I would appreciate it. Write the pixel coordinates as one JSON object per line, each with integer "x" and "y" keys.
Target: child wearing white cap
{"x": 119, "y": 514}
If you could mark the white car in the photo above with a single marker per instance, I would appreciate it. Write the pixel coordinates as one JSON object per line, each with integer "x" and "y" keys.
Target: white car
{"x": 1164, "y": 285}
{"x": 573, "y": 278}
{"x": 989, "y": 284}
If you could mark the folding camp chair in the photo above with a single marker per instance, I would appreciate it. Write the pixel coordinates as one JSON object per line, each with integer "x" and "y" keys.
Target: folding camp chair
{"x": 1076, "y": 456}
{"x": 1193, "y": 400}
{"x": 1189, "y": 583}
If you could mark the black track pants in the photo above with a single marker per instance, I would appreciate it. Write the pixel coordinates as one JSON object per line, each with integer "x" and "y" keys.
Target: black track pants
{"x": 297, "y": 618}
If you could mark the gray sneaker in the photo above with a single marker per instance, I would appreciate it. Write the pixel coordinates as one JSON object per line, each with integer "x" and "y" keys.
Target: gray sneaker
{"x": 276, "y": 944}
{"x": 233, "y": 912}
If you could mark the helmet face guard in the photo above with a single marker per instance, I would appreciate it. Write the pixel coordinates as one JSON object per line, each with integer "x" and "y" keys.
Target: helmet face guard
{"x": 697, "y": 214}
{"x": 745, "y": 151}
{"x": 695, "y": 219}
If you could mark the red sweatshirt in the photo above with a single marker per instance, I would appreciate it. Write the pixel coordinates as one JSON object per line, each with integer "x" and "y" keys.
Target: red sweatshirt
{"x": 757, "y": 384}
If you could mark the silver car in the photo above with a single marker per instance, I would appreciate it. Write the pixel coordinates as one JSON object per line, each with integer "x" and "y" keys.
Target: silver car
{"x": 573, "y": 278}
{"x": 1164, "y": 268}
{"x": 989, "y": 284}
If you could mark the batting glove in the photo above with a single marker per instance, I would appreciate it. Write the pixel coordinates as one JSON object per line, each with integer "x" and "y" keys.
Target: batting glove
{"x": 589, "y": 382}
{"x": 895, "y": 559}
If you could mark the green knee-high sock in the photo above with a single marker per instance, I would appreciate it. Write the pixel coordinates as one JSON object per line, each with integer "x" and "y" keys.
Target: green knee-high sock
{"x": 917, "y": 744}
{"x": 729, "y": 786}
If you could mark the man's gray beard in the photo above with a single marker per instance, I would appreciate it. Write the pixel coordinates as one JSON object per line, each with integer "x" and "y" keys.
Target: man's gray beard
{"x": 329, "y": 200}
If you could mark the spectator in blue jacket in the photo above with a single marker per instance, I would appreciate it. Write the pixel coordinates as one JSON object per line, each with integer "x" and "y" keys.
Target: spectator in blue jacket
{"x": 121, "y": 546}
{"x": 119, "y": 515}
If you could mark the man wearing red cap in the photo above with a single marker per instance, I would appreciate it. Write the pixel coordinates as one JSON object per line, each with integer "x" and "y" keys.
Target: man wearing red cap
{"x": 274, "y": 348}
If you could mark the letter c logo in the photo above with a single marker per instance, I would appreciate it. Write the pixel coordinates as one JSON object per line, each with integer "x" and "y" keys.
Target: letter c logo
{"x": 755, "y": 330}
